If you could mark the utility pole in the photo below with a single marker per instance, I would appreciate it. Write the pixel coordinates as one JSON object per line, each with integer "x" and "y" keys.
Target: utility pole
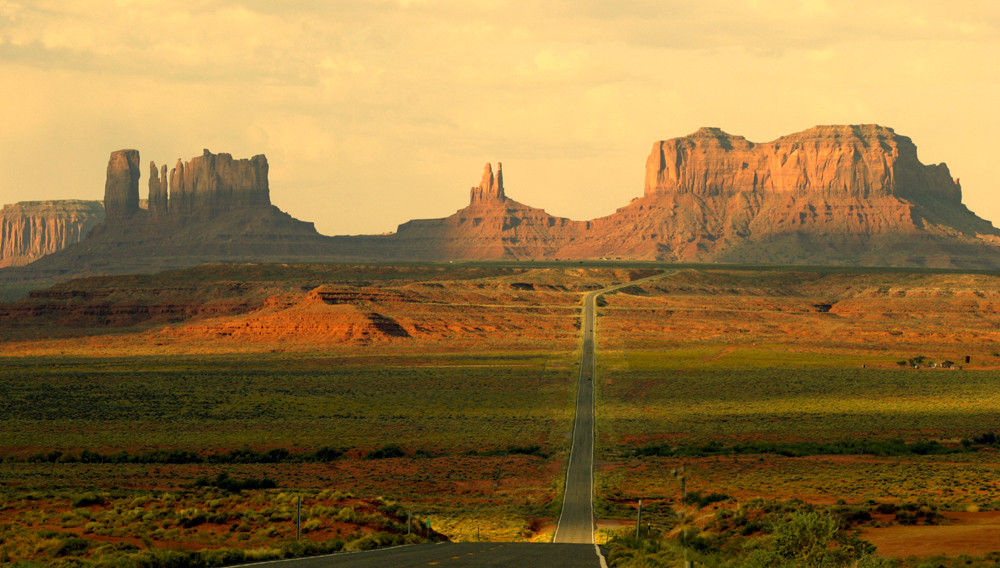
{"x": 409, "y": 523}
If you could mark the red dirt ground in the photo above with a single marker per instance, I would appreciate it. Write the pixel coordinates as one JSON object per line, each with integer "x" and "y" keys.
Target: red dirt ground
{"x": 969, "y": 533}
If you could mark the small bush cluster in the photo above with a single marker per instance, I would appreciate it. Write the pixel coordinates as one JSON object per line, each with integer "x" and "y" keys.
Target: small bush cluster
{"x": 175, "y": 456}
{"x": 894, "y": 447}
{"x": 233, "y": 485}
{"x": 385, "y": 452}
{"x": 788, "y": 534}
{"x": 702, "y": 501}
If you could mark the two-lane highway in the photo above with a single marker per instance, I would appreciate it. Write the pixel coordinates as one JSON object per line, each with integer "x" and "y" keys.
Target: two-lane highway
{"x": 576, "y": 522}
{"x": 573, "y": 543}
{"x": 456, "y": 555}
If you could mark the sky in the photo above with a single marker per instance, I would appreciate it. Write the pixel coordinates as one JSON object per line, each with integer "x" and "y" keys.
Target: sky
{"x": 375, "y": 112}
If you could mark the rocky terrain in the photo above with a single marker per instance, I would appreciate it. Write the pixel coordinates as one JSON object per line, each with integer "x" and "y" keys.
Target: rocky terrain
{"x": 840, "y": 195}
{"x": 30, "y": 230}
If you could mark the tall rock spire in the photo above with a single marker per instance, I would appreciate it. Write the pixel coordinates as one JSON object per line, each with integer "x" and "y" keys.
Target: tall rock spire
{"x": 121, "y": 190}
{"x": 157, "y": 191}
{"x": 490, "y": 188}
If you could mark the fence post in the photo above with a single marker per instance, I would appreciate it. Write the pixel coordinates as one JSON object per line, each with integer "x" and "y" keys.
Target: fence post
{"x": 638, "y": 525}
{"x": 298, "y": 515}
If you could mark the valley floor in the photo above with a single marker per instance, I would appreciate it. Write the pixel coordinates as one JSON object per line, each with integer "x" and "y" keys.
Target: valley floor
{"x": 446, "y": 393}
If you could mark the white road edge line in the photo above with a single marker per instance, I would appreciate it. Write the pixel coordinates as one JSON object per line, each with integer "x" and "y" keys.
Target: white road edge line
{"x": 604, "y": 563}
{"x": 572, "y": 436}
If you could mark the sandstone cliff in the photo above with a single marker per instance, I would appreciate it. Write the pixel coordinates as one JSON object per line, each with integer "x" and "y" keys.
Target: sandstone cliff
{"x": 490, "y": 190}
{"x": 121, "y": 190}
{"x": 211, "y": 184}
{"x": 32, "y": 229}
{"x": 212, "y": 208}
{"x": 831, "y": 194}
{"x": 158, "y": 196}
{"x": 855, "y": 195}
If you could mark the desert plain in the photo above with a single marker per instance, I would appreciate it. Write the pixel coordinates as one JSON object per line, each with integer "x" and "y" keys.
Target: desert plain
{"x": 182, "y": 417}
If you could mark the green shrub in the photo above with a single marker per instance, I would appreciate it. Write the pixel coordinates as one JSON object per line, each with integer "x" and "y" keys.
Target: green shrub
{"x": 816, "y": 539}
{"x": 233, "y": 485}
{"x": 71, "y": 546}
{"x": 702, "y": 501}
{"x": 386, "y": 451}
{"x": 87, "y": 500}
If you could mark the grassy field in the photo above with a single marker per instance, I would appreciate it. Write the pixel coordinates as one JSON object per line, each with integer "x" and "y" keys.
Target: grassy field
{"x": 796, "y": 389}
{"x": 471, "y": 441}
{"x": 447, "y": 392}
{"x": 447, "y": 403}
{"x": 792, "y": 404}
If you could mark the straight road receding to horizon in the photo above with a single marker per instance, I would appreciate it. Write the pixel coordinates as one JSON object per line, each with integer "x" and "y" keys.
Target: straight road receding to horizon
{"x": 576, "y": 521}
{"x": 573, "y": 543}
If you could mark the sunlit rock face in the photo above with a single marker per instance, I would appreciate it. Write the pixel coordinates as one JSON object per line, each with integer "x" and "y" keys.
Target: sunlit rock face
{"x": 841, "y": 195}
{"x": 30, "y": 230}
{"x": 846, "y": 161}
{"x": 828, "y": 195}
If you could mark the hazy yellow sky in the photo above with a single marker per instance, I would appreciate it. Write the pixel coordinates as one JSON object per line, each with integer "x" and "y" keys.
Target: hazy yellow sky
{"x": 375, "y": 112}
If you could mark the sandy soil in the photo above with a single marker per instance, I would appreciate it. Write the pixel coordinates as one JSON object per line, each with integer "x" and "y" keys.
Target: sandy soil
{"x": 968, "y": 533}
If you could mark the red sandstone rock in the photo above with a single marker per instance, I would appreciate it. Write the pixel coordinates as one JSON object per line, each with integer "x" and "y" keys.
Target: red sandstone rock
{"x": 828, "y": 195}
{"x": 211, "y": 184}
{"x": 845, "y": 161}
{"x": 157, "y": 191}
{"x": 121, "y": 190}
{"x": 490, "y": 189}
{"x": 831, "y": 194}
{"x": 32, "y": 229}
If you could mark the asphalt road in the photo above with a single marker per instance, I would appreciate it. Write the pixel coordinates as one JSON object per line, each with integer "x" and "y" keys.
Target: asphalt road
{"x": 576, "y": 521}
{"x": 573, "y": 543}
{"x": 449, "y": 555}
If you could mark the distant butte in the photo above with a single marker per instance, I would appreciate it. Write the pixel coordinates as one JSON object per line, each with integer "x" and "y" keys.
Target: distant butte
{"x": 846, "y": 195}
{"x": 830, "y": 195}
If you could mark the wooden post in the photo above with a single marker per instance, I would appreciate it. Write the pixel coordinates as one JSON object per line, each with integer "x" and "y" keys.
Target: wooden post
{"x": 298, "y": 528}
{"x": 638, "y": 525}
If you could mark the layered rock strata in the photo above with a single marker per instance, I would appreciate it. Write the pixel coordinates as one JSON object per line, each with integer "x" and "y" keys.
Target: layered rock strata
{"x": 211, "y": 184}
{"x": 831, "y": 194}
{"x": 492, "y": 226}
{"x": 855, "y": 195}
{"x": 30, "y": 230}
{"x": 860, "y": 161}
{"x": 212, "y": 208}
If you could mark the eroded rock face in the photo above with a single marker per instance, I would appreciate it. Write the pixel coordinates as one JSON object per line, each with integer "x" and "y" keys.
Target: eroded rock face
{"x": 859, "y": 161}
{"x": 213, "y": 183}
{"x": 121, "y": 190}
{"x": 157, "y": 191}
{"x": 828, "y": 195}
{"x": 32, "y": 229}
{"x": 490, "y": 189}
